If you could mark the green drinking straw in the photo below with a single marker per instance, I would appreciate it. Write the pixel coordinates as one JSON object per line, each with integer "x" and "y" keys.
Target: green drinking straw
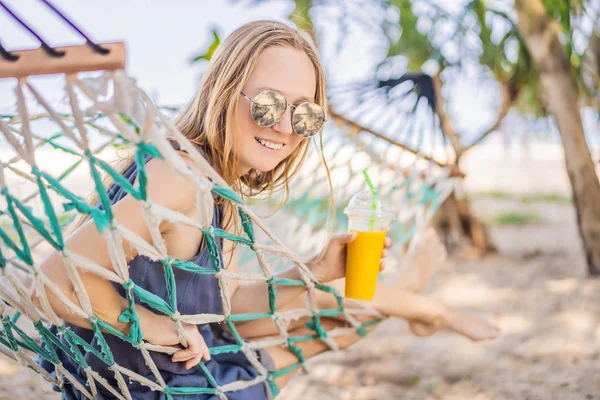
{"x": 375, "y": 196}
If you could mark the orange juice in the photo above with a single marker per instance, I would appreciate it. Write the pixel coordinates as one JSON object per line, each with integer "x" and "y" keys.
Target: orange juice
{"x": 362, "y": 264}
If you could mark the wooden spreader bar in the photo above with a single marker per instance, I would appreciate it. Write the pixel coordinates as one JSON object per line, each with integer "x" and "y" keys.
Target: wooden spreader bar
{"x": 78, "y": 58}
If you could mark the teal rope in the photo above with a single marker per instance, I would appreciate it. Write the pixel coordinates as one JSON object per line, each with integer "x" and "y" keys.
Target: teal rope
{"x": 74, "y": 346}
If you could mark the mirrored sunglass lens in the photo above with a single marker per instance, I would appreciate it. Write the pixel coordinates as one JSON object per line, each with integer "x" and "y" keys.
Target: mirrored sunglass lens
{"x": 308, "y": 118}
{"x": 268, "y": 108}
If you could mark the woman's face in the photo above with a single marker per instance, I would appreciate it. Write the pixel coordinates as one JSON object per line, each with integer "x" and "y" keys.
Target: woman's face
{"x": 290, "y": 72}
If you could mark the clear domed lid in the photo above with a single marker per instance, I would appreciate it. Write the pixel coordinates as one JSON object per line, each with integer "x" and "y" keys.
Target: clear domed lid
{"x": 361, "y": 204}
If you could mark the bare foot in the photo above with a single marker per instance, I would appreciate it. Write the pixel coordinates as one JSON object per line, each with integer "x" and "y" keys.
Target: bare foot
{"x": 474, "y": 328}
{"x": 426, "y": 316}
{"x": 423, "y": 259}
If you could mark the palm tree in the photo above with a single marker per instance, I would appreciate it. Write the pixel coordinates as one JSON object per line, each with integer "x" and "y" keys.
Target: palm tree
{"x": 541, "y": 24}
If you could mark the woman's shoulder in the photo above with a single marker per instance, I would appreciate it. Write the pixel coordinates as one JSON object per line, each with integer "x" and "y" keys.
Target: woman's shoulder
{"x": 170, "y": 188}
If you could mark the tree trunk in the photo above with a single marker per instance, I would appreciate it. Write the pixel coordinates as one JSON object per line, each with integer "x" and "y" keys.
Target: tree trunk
{"x": 455, "y": 221}
{"x": 540, "y": 34}
{"x": 460, "y": 229}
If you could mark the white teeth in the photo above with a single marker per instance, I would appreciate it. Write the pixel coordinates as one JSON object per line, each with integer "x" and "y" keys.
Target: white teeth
{"x": 270, "y": 145}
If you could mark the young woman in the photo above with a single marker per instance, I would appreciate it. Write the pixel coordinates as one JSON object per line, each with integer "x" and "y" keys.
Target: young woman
{"x": 260, "y": 101}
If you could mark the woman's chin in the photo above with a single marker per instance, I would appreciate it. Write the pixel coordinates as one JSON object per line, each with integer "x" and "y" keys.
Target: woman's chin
{"x": 262, "y": 168}
{"x": 263, "y": 165}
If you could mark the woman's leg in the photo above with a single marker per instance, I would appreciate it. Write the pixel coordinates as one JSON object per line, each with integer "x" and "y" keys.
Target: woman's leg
{"x": 423, "y": 260}
{"x": 400, "y": 299}
{"x": 284, "y": 357}
{"x": 425, "y": 317}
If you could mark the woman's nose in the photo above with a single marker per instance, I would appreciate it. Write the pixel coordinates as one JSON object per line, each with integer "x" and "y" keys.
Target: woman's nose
{"x": 284, "y": 126}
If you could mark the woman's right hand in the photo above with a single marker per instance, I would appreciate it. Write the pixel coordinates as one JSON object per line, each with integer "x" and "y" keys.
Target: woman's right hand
{"x": 196, "y": 350}
{"x": 161, "y": 331}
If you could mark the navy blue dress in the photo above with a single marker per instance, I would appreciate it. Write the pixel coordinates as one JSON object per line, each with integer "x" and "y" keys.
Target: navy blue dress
{"x": 196, "y": 294}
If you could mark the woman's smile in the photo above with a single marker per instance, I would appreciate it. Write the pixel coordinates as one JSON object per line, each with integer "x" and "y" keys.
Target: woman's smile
{"x": 269, "y": 145}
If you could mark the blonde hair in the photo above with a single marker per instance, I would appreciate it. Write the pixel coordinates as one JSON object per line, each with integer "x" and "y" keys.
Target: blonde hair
{"x": 209, "y": 119}
{"x": 211, "y": 116}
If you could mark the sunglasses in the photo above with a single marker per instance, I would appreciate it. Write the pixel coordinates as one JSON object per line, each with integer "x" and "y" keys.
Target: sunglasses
{"x": 268, "y": 108}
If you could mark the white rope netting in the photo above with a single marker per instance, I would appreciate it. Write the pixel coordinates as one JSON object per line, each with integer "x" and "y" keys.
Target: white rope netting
{"x": 39, "y": 196}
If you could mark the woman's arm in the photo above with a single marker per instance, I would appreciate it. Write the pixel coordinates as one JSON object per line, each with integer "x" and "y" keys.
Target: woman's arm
{"x": 252, "y": 296}
{"x": 87, "y": 242}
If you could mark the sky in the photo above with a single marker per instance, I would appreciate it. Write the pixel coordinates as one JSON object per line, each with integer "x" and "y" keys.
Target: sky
{"x": 161, "y": 36}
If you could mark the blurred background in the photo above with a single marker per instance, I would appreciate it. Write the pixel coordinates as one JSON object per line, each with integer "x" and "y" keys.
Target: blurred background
{"x": 499, "y": 97}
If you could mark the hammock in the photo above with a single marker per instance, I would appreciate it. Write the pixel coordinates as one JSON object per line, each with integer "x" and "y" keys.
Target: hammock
{"x": 107, "y": 110}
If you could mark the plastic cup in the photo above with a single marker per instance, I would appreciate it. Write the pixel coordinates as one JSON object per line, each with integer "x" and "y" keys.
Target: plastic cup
{"x": 370, "y": 221}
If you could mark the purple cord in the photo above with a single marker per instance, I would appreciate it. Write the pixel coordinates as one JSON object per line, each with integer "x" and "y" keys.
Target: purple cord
{"x": 52, "y": 52}
{"x": 49, "y": 49}
{"x": 93, "y": 45}
{"x": 7, "y": 55}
